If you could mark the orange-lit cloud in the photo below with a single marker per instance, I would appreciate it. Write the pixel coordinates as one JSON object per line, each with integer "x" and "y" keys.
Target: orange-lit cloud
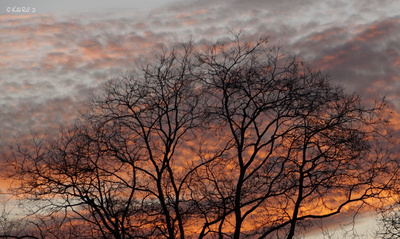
{"x": 49, "y": 63}
{"x": 45, "y": 57}
{"x": 198, "y": 12}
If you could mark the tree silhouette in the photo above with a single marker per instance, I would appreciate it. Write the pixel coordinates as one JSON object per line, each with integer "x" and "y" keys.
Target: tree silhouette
{"x": 230, "y": 140}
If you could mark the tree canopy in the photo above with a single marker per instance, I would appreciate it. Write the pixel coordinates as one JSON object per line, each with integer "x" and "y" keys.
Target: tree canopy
{"x": 230, "y": 140}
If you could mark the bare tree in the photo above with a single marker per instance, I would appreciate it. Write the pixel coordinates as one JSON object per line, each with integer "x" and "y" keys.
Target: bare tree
{"x": 11, "y": 226}
{"x": 389, "y": 217}
{"x": 158, "y": 111}
{"x": 125, "y": 169}
{"x": 74, "y": 175}
{"x": 302, "y": 148}
{"x": 389, "y": 224}
{"x": 237, "y": 140}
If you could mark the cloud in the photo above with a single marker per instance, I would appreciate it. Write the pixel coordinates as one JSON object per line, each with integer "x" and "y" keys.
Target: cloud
{"x": 52, "y": 61}
{"x": 49, "y": 63}
{"x": 357, "y": 59}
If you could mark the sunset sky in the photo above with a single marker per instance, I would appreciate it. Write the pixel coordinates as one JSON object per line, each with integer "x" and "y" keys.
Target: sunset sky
{"x": 55, "y": 53}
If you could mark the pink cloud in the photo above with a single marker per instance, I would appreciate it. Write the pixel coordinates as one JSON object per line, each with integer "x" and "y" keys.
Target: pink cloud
{"x": 92, "y": 49}
{"x": 74, "y": 53}
{"x": 191, "y": 14}
{"x": 48, "y": 64}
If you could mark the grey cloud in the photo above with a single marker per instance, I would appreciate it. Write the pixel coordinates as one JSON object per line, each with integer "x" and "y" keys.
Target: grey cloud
{"x": 69, "y": 55}
{"x": 365, "y": 60}
{"x": 29, "y": 116}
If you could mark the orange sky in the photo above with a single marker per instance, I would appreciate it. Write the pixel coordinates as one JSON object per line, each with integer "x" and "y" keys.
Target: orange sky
{"x": 51, "y": 59}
